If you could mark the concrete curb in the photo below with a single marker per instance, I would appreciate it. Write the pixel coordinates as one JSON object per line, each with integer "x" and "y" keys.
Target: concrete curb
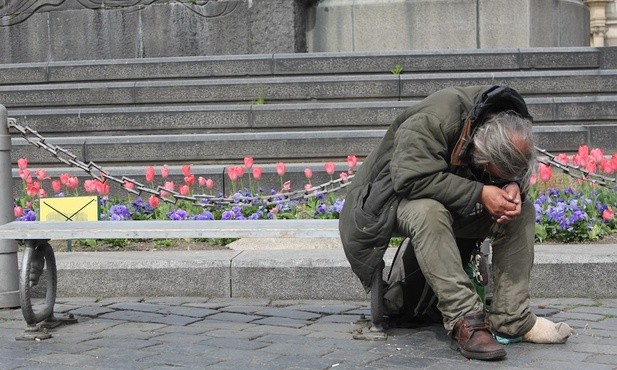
{"x": 573, "y": 271}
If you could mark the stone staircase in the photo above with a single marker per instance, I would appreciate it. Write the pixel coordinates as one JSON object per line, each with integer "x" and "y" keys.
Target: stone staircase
{"x": 205, "y": 111}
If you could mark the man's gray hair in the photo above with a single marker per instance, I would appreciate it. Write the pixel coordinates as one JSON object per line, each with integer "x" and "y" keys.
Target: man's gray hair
{"x": 506, "y": 140}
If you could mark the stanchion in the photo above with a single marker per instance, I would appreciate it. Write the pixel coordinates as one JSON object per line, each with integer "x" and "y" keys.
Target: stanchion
{"x": 9, "y": 272}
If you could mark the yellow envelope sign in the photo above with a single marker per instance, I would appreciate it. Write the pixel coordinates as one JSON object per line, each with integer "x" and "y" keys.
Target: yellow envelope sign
{"x": 70, "y": 208}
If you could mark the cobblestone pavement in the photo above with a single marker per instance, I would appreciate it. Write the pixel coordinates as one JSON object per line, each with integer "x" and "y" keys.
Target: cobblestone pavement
{"x": 201, "y": 333}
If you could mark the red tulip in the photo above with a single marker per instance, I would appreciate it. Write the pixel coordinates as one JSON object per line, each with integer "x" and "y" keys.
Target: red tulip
{"x": 102, "y": 188}
{"x": 352, "y": 162}
{"x": 165, "y": 172}
{"x": 184, "y": 190}
{"x": 33, "y": 189}
{"x": 209, "y": 184}
{"x": 186, "y": 170}
{"x": 41, "y": 175}
{"x": 154, "y": 201}
{"x": 608, "y": 214}
{"x": 280, "y": 169}
{"x": 330, "y": 168}
{"x": 18, "y": 211}
{"x": 56, "y": 186}
{"x": 546, "y": 172}
{"x": 591, "y": 165}
{"x": 257, "y": 173}
{"x": 24, "y": 174}
{"x": 22, "y": 163}
{"x": 248, "y": 162}
{"x": 562, "y": 158}
{"x": 597, "y": 154}
{"x": 150, "y": 174}
{"x": 232, "y": 173}
{"x": 90, "y": 186}
{"x": 189, "y": 180}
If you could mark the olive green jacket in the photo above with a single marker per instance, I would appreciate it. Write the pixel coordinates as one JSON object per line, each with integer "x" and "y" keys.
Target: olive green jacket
{"x": 414, "y": 160}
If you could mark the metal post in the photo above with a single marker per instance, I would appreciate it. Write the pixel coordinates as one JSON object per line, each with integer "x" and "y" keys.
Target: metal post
{"x": 9, "y": 271}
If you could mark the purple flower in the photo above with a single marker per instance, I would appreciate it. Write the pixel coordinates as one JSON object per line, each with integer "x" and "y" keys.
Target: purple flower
{"x": 119, "y": 212}
{"x": 177, "y": 215}
{"x": 228, "y": 215}
{"x": 205, "y": 215}
{"x": 29, "y": 215}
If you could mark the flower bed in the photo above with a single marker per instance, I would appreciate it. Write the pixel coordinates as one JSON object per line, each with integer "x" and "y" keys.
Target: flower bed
{"x": 567, "y": 209}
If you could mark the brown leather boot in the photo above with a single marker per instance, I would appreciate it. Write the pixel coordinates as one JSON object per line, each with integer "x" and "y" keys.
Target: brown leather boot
{"x": 474, "y": 340}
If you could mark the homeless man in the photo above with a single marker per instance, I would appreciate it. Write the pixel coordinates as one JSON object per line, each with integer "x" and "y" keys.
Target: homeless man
{"x": 455, "y": 165}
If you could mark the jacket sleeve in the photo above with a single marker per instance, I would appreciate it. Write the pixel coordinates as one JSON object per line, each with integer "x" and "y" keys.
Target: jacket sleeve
{"x": 420, "y": 165}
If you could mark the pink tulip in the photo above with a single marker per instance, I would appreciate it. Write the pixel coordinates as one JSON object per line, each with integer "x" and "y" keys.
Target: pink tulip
{"x": 240, "y": 171}
{"x": 22, "y": 163}
{"x": 562, "y": 158}
{"x": 308, "y": 173}
{"x": 308, "y": 187}
{"x": 330, "y": 168}
{"x": 209, "y": 184}
{"x": 33, "y": 189}
{"x": 150, "y": 174}
{"x": 42, "y": 193}
{"x": 614, "y": 160}
{"x": 597, "y": 154}
{"x": 56, "y": 186}
{"x": 18, "y": 211}
{"x": 591, "y": 166}
{"x": 583, "y": 151}
{"x": 344, "y": 176}
{"x": 577, "y": 160}
{"x": 352, "y": 162}
{"x": 186, "y": 170}
{"x": 64, "y": 178}
{"x": 286, "y": 186}
{"x": 280, "y": 169}
{"x": 257, "y": 173}
{"x": 189, "y": 180}
{"x": 41, "y": 175}
{"x": 607, "y": 166}
{"x": 533, "y": 179}
{"x": 169, "y": 185}
{"x": 72, "y": 182}
{"x": 248, "y": 162}
{"x": 102, "y": 188}
{"x": 184, "y": 190}
{"x": 608, "y": 214}
{"x": 165, "y": 171}
{"x": 90, "y": 186}
{"x": 24, "y": 174}
{"x": 128, "y": 185}
{"x": 546, "y": 172}
{"x": 232, "y": 172}
{"x": 201, "y": 180}
{"x": 154, "y": 201}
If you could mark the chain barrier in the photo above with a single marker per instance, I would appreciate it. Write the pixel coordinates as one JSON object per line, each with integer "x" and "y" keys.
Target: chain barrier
{"x": 206, "y": 201}
{"x": 577, "y": 172}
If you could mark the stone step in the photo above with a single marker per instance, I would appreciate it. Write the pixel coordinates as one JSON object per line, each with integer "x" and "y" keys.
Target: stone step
{"x": 301, "y": 88}
{"x": 192, "y": 119}
{"x": 309, "y": 64}
{"x": 266, "y": 147}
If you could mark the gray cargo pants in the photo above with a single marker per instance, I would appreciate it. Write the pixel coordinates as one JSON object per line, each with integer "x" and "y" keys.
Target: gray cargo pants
{"x": 433, "y": 229}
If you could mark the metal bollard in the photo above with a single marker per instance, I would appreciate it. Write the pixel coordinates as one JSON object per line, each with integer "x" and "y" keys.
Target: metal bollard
{"x": 9, "y": 271}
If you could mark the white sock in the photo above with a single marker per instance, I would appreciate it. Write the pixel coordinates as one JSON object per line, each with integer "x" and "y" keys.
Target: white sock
{"x": 545, "y": 331}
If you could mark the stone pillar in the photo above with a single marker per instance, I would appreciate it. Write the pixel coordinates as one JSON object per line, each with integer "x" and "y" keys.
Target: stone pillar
{"x": 611, "y": 23}
{"x": 378, "y": 25}
{"x": 597, "y": 21}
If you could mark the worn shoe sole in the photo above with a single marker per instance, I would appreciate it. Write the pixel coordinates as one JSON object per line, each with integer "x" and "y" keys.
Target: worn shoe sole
{"x": 486, "y": 356}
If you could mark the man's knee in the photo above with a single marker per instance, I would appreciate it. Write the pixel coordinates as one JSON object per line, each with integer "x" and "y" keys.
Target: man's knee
{"x": 423, "y": 214}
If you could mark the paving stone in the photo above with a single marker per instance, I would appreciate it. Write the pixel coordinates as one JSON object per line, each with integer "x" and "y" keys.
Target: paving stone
{"x": 325, "y": 309}
{"x": 348, "y": 319}
{"x": 288, "y": 313}
{"x": 209, "y": 305}
{"x": 176, "y": 301}
{"x": 224, "y": 333}
{"x": 596, "y": 348}
{"x": 127, "y": 343}
{"x": 233, "y": 317}
{"x": 136, "y": 306}
{"x": 303, "y": 362}
{"x": 149, "y": 317}
{"x": 216, "y": 324}
{"x": 181, "y": 361}
{"x": 58, "y": 359}
{"x": 187, "y": 311}
{"x": 237, "y": 343}
{"x": 299, "y": 350}
{"x": 599, "y": 310}
{"x": 241, "y": 309}
{"x": 90, "y": 311}
{"x": 282, "y": 321}
{"x": 243, "y": 365}
{"x": 604, "y": 359}
{"x": 240, "y": 301}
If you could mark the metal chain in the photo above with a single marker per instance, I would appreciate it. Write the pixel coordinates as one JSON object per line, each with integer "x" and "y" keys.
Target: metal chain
{"x": 207, "y": 201}
{"x": 577, "y": 172}
{"x": 203, "y": 200}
